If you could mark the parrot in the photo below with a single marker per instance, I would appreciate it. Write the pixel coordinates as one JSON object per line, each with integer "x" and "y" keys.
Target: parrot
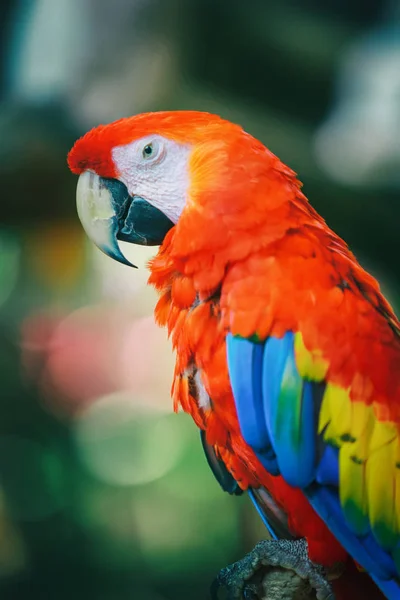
{"x": 287, "y": 352}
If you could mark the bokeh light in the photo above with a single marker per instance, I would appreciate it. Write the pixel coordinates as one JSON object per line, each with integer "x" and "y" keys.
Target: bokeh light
{"x": 123, "y": 442}
{"x": 10, "y": 256}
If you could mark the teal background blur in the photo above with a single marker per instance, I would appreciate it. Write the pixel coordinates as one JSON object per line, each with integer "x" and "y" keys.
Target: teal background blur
{"x": 104, "y": 492}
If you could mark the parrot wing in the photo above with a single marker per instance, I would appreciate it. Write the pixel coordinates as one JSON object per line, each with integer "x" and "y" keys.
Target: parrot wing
{"x": 307, "y": 428}
{"x": 286, "y": 418}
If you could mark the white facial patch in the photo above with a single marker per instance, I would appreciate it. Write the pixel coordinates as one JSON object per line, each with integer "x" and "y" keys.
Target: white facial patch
{"x": 156, "y": 169}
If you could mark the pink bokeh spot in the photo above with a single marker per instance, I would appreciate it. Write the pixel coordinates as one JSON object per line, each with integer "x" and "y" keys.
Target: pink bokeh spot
{"x": 97, "y": 351}
{"x": 146, "y": 362}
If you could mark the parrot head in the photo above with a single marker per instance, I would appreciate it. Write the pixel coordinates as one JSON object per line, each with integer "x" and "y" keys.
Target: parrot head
{"x": 138, "y": 176}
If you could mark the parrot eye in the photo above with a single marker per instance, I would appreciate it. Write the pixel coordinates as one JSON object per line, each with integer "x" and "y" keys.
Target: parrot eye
{"x": 147, "y": 150}
{"x": 151, "y": 151}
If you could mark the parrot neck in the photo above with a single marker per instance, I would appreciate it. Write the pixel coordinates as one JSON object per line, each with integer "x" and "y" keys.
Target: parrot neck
{"x": 215, "y": 246}
{"x": 229, "y": 224}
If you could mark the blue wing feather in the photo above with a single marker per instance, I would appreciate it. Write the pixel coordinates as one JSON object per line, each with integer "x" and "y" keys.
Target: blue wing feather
{"x": 327, "y": 472}
{"x": 246, "y": 359}
{"x": 263, "y": 516}
{"x": 246, "y": 385}
{"x": 274, "y": 517}
{"x": 275, "y": 357}
{"x": 289, "y": 409}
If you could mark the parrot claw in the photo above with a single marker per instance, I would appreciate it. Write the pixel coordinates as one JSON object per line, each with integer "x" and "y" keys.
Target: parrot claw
{"x": 274, "y": 570}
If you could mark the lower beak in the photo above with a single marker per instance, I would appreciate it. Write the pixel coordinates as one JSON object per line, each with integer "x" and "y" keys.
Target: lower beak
{"x": 109, "y": 214}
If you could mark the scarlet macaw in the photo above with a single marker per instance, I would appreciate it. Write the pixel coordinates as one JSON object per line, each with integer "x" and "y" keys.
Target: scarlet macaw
{"x": 287, "y": 353}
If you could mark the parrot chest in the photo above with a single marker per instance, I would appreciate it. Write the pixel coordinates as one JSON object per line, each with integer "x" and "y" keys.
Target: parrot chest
{"x": 201, "y": 385}
{"x": 201, "y": 375}
{"x": 193, "y": 320}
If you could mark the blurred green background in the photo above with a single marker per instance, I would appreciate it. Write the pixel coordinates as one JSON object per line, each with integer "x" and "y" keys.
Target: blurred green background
{"x": 104, "y": 492}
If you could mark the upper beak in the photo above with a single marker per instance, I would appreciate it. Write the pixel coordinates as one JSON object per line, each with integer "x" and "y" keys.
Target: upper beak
{"x": 108, "y": 214}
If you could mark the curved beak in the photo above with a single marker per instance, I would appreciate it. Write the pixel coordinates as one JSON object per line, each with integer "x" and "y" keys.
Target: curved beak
{"x": 109, "y": 214}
